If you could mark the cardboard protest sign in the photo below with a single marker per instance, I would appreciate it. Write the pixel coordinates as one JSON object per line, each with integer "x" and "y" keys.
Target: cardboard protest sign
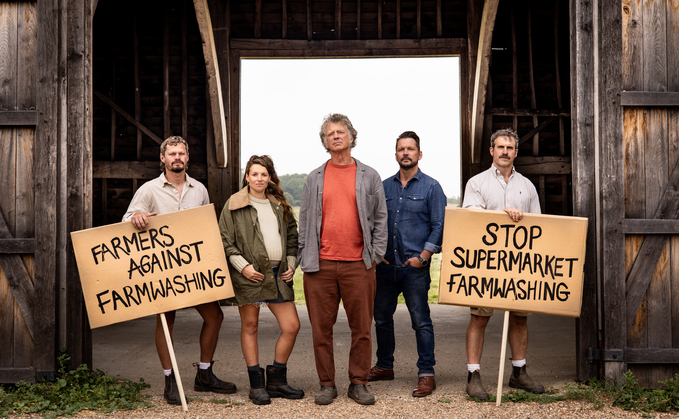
{"x": 535, "y": 265}
{"x": 177, "y": 262}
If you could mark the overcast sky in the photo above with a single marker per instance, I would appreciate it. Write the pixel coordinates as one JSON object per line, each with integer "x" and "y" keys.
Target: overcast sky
{"x": 283, "y": 103}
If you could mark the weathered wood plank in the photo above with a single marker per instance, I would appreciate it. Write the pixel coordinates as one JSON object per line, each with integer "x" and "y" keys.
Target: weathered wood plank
{"x": 527, "y": 112}
{"x": 18, "y": 117}
{"x": 584, "y": 174}
{"x": 47, "y": 103}
{"x": 17, "y": 246}
{"x": 634, "y": 123}
{"x": 213, "y": 80}
{"x": 673, "y": 137}
{"x": 284, "y": 18}
{"x": 647, "y": 99}
{"x": 358, "y": 19}
{"x": 515, "y": 63}
{"x": 453, "y": 45}
{"x": 234, "y": 144}
{"x": 338, "y": 19}
{"x": 309, "y": 29}
{"x": 481, "y": 76}
{"x": 379, "y": 20}
{"x": 25, "y": 205}
{"x": 258, "y": 19}
{"x": 167, "y": 131}
{"x": 26, "y": 59}
{"x": 14, "y": 375}
{"x": 649, "y": 226}
{"x": 185, "y": 76}
{"x": 398, "y": 19}
{"x": 545, "y": 165}
{"x": 608, "y": 79}
{"x": 8, "y": 56}
{"x": 18, "y": 279}
{"x": 138, "y": 170}
{"x": 652, "y": 355}
{"x": 6, "y": 323}
{"x": 557, "y": 85}
{"x": 632, "y": 44}
{"x": 531, "y": 83}
{"x": 652, "y": 247}
{"x": 129, "y": 117}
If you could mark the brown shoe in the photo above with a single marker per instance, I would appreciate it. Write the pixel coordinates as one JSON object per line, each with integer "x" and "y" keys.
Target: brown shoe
{"x": 475, "y": 387}
{"x": 524, "y": 382}
{"x": 378, "y": 374}
{"x": 425, "y": 385}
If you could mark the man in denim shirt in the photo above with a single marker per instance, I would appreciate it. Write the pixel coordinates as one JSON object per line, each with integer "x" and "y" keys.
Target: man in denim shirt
{"x": 416, "y": 207}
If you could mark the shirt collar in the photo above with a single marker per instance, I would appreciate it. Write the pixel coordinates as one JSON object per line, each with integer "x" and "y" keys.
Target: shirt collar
{"x": 397, "y": 177}
{"x": 497, "y": 173}
{"x": 189, "y": 180}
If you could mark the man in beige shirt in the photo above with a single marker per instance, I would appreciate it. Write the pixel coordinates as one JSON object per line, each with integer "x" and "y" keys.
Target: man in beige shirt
{"x": 500, "y": 188}
{"x": 172, "y": 191}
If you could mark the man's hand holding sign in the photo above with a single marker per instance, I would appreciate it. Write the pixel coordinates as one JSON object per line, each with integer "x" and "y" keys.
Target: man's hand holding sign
{"x": 500, "y": 254}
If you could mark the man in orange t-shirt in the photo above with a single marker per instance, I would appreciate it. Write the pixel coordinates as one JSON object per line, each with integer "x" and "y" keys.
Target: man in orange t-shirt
{"x": 342, "y": 236}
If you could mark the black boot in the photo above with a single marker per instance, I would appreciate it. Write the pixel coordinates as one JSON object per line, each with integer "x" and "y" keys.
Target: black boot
{"x": 171, "y": 391}
{"x": 258, "y": 393}
{"x": 206, "y": 380}
{"x": 277, "y": 383}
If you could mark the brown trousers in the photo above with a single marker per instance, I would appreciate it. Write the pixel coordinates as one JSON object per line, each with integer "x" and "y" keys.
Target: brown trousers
{"x": 355, "y": 286}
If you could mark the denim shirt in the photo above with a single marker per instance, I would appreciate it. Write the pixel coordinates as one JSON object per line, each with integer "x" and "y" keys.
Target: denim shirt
{"x": 415, "y": 217}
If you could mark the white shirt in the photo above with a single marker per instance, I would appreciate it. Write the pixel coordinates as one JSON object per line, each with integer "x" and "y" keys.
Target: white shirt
{"x": 488, "y": 190}
{"x": 160, "y": 196}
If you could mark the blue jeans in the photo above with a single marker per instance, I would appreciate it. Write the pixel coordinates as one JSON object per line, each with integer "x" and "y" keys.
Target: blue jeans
{"x": 414, "y": 283}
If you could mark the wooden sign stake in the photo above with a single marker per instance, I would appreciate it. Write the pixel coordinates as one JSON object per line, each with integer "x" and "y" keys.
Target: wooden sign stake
{"x": 170, "y": 348}
{"x": 503, "y": 350}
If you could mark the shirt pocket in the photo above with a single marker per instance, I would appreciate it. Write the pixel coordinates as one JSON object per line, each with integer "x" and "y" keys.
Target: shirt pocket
{"x": 416, "y": 204}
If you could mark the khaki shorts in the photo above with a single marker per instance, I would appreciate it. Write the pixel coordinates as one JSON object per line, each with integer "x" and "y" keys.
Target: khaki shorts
{"x": 487, "y": 312}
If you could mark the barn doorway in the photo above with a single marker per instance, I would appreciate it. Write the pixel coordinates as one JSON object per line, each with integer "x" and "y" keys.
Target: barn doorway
{"x": 283, "y": 102}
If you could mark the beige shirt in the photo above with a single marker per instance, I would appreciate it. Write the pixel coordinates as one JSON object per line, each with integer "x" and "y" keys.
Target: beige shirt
{"x": 488, "y": 190}
{"x": 160, "y": 196}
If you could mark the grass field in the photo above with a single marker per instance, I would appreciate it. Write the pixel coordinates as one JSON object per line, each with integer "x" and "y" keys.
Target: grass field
{"x": 433, "y": 290}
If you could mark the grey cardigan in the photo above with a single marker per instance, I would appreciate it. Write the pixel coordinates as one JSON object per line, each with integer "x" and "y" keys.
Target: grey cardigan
{"x": 372, "y": 213}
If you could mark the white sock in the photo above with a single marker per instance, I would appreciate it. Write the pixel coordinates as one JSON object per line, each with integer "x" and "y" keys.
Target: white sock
{"x": 204, "y": 365}
{"x": 167, "y": 372}
{"x": 518, "y": 363}
{"x": 473, "y": 367}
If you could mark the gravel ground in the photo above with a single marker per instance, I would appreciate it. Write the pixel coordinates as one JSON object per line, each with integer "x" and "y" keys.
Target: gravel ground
{"x": 389, "y": 406}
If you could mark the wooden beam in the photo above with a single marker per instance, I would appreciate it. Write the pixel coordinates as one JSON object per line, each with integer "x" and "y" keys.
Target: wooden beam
{"x": 536, "y": 130}
{"x": 14, "y": 375}
{"x": 651, "y": 249}
{"x": 309, "y": 29}
{"x": 21, "y": 246}
{"x": 213, "y": 80}
{"x": 185, "y": 76}
{"x": 358, "y": 19}
{"x": 649, "y": 226}
{"x": 284, "y": 19}
{"x": 481, "y": 77}
{"x": 439, "y": 20}
{"x": 379, "y": 20}
{"x": 531, "y": 79}
{"x": 338, "y": 19}
{"x": 652, "y": 356}
{"x": 28, "y": 118}
{"x": 138, "y": 170}
{"x": 527, "y": 112}
{"x": 167, "y": 131}
{"x": 644, "y": 99}
{"x": 258, "y": 19}
{"x": 545, "y": 165}
{"x": 419, "y": 19}
{"x": 129, "y": 117}
{"x": 398, "y": 19}
{"x": 452, "y": 45}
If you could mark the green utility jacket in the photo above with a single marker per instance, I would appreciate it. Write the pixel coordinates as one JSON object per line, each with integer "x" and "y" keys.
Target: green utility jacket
{"x": 241, "y": 235}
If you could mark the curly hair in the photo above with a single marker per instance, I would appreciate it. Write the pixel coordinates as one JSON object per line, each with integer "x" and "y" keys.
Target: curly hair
{"x": 274, "y": 186}
{"x": 337, "y": 118}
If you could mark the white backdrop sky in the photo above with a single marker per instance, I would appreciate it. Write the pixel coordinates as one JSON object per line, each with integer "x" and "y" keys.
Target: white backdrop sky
{"x": 283, "y": 103}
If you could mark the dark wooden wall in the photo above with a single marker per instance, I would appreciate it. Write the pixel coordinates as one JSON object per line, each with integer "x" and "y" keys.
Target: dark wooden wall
{"x": 149, "y": 84}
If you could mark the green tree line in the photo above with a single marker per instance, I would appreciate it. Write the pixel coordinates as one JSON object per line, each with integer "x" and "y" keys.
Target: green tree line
{"x": 292, "y": 186}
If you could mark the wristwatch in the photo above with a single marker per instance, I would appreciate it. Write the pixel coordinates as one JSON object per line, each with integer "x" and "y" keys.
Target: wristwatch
{"x": 424, "y": 262}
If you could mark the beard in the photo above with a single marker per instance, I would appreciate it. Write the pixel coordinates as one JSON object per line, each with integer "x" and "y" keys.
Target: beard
{"x": 177, "y": 168}
{"x": 407, "y": 165}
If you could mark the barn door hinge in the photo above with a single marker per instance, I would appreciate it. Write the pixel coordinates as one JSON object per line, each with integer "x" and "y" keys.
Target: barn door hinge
{"x": 50, "y": 376}
{"x": 606, "y": 355}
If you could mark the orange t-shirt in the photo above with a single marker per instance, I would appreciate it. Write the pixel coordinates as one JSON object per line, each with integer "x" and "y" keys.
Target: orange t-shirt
{"x": 341, "y": 234}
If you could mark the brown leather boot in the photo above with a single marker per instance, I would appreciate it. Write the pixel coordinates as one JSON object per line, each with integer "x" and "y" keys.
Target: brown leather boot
{"x": 475, "y": 387}
{"x": 524, "y": 382}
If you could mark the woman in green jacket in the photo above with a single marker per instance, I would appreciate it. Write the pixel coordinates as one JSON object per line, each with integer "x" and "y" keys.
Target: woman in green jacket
{"x": 259, "y": 233}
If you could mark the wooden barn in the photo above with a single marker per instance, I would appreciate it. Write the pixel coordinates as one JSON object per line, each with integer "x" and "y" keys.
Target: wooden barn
{"x": 89, "y": 88}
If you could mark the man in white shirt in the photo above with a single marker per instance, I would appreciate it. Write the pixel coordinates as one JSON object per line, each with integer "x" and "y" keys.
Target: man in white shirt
{"x": 500, "y": 188}
{"x": 172, "y": 191}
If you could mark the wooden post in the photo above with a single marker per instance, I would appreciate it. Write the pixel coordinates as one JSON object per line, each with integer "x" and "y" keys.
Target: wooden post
{"x": 503, "y": 352}
{"x": 481, "y": 77}
{"x": 173, "y": 358}
{"x": 213, "y": 80}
